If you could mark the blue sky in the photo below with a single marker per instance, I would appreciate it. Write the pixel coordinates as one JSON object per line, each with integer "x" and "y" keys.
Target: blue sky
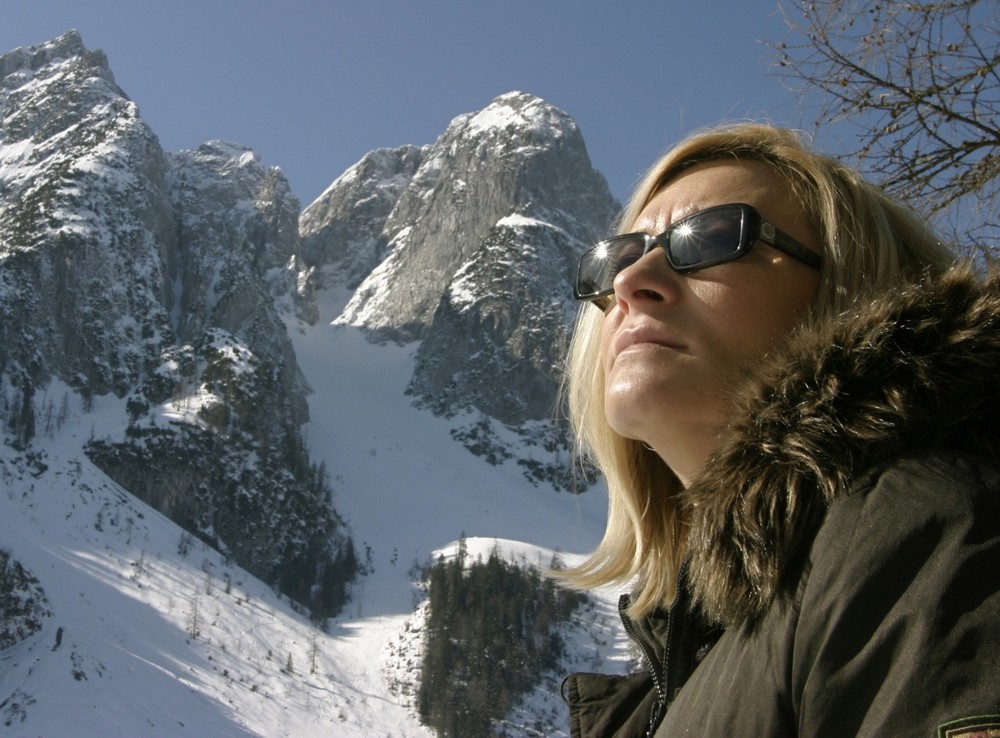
{"x": 313, "y": 85}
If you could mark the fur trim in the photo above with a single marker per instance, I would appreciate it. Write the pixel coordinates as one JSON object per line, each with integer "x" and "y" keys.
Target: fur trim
{"x": 913, "y": 369}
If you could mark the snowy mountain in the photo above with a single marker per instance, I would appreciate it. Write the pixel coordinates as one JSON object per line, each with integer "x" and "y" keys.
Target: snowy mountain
{"x": 226, "y": 424}
{"x": 154, "y": 278}
{"x": 83, "y": 200}
{"x": 518, "y": 158}
{"x": 469, "y": 245}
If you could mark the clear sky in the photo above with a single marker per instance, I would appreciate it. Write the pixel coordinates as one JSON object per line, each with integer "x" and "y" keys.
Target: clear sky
{"x": 313, "y": 85}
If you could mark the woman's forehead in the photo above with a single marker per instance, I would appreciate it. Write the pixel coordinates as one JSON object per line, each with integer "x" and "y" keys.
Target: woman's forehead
{"x": 709, "y": 184}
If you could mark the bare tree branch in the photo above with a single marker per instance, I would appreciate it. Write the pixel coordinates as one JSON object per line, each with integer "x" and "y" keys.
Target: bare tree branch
{"x": 921, "y": 81}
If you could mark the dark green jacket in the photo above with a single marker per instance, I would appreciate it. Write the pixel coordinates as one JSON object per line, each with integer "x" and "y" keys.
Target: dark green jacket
{"x": 846, "y": 537}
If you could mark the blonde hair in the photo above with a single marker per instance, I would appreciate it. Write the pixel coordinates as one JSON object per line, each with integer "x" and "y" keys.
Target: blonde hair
{"x": 869, "y": 242}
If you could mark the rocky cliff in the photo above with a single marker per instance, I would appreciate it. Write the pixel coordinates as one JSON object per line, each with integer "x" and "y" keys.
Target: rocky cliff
{"x": 469, "y": 247}
{"x": 343, "y": 231}
{"x": 159, "y": 279}
{"x": 86, "y": 224}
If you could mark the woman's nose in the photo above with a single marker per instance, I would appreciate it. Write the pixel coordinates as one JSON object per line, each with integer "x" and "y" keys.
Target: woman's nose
{"x": 648, "y": 280}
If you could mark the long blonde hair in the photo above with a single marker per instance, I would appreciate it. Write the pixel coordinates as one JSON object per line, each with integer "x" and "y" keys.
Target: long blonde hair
{"x": 869, "y": 242}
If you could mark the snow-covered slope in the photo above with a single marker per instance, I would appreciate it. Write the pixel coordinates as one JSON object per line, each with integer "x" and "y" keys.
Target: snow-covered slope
{"x": 158, "y": 635}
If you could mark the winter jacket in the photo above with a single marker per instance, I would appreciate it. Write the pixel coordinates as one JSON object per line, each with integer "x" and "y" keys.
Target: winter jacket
{"x": 843, "y": 574}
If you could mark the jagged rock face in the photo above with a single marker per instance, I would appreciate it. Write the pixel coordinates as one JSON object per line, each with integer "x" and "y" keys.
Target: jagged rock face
{"x": 479, "y": 251}
{"x": 85, "y": 223}
{"x": 238, "y": 228}
{"x": 23, "y": 605}
{"x": 343, "y": 230}
{"x": 500, "y": 329}
{"x": 237, "y": 251}
{"x": 495, "y": 347}
{"x": 518, "y": 156}
{"x": 113, "y": 255}
{"x": 160, "y": 278}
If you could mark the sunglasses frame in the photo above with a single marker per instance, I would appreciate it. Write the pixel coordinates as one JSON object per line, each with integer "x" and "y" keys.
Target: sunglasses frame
{"x": 753, "y": 228}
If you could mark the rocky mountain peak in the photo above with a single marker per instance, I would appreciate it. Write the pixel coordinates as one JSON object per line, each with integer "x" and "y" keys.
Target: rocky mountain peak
{"x": 59, "y": 69}
{"x": 233, "y": 210}
{"x": 82, "y": 203}
{"x": 518, "y": 156}
{"x": 515, "y": 120}
{"x": 69, "y": 46}
{"x": 467, "y": 246}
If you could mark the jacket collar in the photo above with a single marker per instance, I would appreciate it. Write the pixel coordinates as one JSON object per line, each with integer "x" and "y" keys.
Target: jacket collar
{"x": 916, "y": 368}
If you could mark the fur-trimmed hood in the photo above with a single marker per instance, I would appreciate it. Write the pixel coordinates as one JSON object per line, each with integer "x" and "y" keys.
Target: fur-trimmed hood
{"x": 916, "y": 368}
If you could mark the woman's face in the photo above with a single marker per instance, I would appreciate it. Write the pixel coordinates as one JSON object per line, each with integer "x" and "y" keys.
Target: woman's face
{"x": 671, "y": 343}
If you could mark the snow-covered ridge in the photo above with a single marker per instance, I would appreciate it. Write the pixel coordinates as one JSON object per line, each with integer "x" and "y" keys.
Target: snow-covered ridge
{"x": 21, "y": 64}
{"x": 515, "y": 112}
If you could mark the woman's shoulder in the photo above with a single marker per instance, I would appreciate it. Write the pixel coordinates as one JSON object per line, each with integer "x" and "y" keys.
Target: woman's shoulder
{"x": 918, "y": 487}
{"x": 901, "y": 596}
{"x": 928, "y": 506}
{"x": 909, "y": 536}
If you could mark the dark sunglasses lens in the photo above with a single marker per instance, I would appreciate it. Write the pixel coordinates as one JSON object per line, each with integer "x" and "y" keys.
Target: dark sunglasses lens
{"x": 706, "y": 238}
{"x": 600, "y": 265}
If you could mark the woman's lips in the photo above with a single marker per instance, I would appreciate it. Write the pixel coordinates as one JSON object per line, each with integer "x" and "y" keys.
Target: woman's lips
{"x": 639, "y": 337}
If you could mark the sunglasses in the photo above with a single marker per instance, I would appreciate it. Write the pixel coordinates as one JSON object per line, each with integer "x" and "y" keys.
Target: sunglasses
{"x": 712, "y": 236}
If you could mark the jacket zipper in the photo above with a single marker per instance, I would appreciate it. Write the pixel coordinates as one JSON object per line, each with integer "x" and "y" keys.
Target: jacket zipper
{"x": 659, "y": 671}
{"x": 656, "y": 669}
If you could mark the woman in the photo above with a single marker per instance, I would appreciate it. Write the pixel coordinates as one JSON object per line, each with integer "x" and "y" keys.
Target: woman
{"x": 790, "y": 390}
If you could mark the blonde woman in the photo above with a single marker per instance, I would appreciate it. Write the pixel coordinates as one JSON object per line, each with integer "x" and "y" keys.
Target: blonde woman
{"x": 792, "y": 392}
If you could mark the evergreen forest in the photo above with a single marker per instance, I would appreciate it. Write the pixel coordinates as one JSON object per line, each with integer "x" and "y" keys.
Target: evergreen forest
{"x": 492, "y": 631}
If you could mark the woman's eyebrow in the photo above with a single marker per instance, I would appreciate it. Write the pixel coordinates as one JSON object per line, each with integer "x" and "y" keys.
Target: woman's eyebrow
{"x": 654, "y": 226}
